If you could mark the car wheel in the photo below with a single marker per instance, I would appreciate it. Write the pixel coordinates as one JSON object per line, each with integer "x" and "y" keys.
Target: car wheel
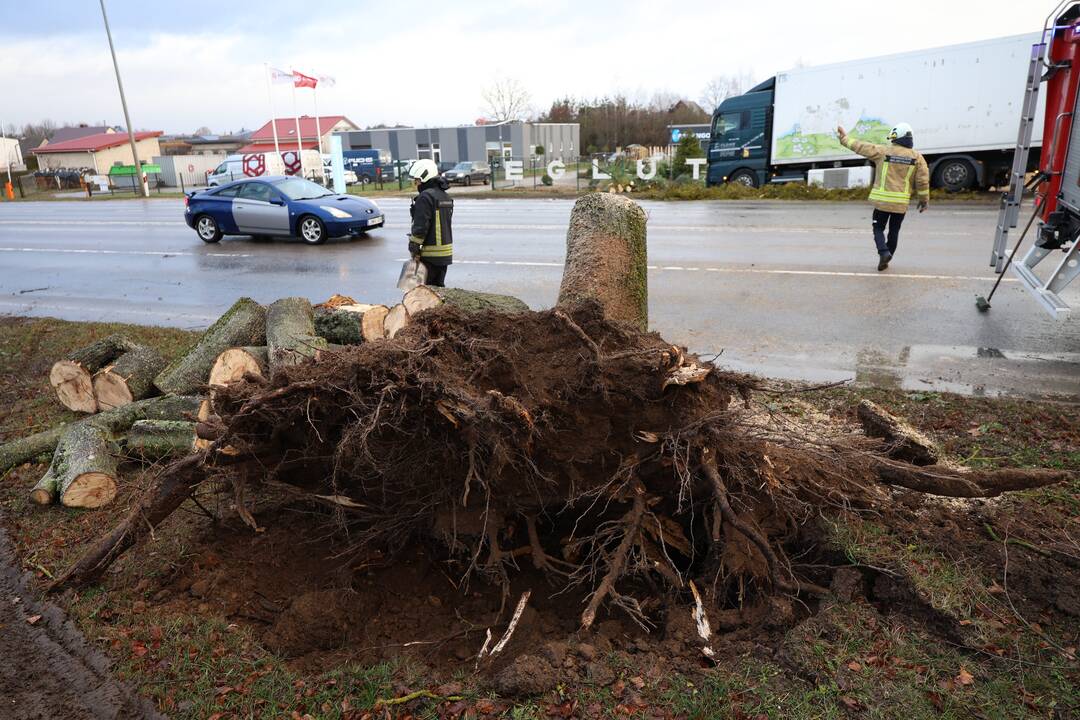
{"x": 468, "y": 180}
{"x": 745, "y": 177}
{"x": 955, "y": 175}
{"x": 207, "y": 229}
{"x": 312, "y": 230}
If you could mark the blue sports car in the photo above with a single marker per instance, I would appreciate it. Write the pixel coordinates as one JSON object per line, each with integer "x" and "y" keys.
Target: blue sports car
{"x": 279, "y": 206}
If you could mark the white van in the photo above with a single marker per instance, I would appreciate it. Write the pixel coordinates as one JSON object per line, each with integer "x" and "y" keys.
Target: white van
{"x": 238, "y": 167}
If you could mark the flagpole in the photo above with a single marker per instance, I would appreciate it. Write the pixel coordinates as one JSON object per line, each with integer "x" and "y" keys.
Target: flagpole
{"x": 299, "y": 139}
{"x": 273, "y": 115}
{"x": 318, "y": 130}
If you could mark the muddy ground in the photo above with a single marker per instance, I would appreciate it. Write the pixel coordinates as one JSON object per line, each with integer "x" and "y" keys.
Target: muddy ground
{"x": 938, "y": 608}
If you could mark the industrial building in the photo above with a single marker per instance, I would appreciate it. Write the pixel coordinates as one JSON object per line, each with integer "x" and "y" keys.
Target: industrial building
{"x": 480, "y": 143}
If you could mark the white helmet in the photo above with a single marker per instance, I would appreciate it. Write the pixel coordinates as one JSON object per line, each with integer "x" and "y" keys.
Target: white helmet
{"x": 423, "y": 170}
{"x": 901, "y": 130}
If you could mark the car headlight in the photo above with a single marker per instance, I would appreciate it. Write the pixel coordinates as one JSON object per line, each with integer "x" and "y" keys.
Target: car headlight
{"x": 336, "y": 212}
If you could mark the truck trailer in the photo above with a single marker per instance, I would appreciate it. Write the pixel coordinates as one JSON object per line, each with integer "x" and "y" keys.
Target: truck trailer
{"x": 961, "y": 100}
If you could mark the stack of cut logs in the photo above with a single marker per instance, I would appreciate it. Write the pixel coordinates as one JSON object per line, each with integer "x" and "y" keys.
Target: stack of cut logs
{"x": 143, "y": 409}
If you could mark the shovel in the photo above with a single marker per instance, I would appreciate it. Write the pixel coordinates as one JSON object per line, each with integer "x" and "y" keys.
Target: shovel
{"x": 413, "y": 274}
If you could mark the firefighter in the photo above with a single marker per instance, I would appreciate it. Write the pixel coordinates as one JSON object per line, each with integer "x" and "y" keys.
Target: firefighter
{"x": 896, "y": 168}
{"x": 431, "y": 239}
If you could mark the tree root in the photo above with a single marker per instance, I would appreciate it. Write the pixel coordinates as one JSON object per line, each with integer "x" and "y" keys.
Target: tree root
{"x": 761, "y": 543}
{"x": 940, "y": 480}
{"x": 632, "y": 521}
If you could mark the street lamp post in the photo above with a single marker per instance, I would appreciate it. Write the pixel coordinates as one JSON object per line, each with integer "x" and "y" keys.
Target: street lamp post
{"x": 123, "y": 101}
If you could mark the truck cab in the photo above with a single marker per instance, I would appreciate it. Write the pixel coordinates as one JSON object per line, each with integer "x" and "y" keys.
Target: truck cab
{"x": 740, "y": 139}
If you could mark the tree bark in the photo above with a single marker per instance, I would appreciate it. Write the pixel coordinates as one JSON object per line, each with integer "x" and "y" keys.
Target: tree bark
{"x": 397, "y": 319}
{"x": 129, "y": 378}
{"x": 290, "y": 334}
{"x": 243, "y": 324}
{"x": 606, "y": 258}
{"x": 72, "y": 377}
{"x": 157, "y": 439}
{"x": 83, "y": 468}
{"x": 173, "y": 487}
{"x": 42, "y": 444}
{"x": 424, "y": 297}
{"x": 903, "y": 442}
{"x": 235, "y": 363}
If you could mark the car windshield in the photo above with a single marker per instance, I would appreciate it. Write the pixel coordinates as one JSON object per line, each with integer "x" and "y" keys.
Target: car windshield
{"x": 300, "y": 189}
{"x": 463, "y": 166}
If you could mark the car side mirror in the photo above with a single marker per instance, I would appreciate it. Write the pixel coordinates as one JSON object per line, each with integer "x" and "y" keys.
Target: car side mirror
{"x": 277, "y": 201}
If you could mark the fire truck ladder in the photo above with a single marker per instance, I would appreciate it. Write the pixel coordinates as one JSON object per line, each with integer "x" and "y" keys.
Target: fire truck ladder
{"x": 1010, "y": 202}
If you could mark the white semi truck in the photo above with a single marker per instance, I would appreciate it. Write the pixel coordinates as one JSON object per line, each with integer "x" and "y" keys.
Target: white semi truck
{"x": 962, "y": 100}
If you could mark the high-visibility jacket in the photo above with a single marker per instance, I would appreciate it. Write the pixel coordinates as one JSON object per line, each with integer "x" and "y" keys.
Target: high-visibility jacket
{"x": 432, "y": 236}
{"x": 896, "y": 168}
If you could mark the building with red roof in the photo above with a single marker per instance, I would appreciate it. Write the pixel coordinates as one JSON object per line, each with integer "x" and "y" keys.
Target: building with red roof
{"x": 98, "y": 152}
{"x": 262, "y": 140}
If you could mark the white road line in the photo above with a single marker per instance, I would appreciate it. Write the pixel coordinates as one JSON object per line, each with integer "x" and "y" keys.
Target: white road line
{"x": 756, "y": 271}
{"x": 158, "y": 253}
{"x": 91, "y": 222}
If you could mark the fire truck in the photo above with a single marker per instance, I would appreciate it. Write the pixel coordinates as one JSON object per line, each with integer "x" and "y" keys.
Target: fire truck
{"x": 1054, "y": 69}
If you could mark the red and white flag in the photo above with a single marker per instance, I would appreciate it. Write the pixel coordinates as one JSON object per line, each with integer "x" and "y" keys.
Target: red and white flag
{"x": 281, "y": 76}
{"x": 301, "y": 80}
{"x": 326, "y": 80}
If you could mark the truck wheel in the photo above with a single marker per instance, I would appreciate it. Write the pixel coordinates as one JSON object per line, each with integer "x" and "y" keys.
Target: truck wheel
{"x": 744, "y": 177}
{"x": 955, "y": 175}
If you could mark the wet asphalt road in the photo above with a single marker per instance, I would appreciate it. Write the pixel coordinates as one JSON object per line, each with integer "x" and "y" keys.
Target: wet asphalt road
{"x": 783, "y": 289}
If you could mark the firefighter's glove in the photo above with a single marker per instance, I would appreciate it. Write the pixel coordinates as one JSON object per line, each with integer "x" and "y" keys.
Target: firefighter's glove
{"x": 923, "y": 204}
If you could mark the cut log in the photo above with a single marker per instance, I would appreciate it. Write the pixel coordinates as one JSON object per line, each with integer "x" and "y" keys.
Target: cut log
{"x": 290, "y": 333}
{"x": 42, "y": 444}
{"x": 340, "y": 326}
{"x": 158, "y": 439}
{"x": 242, "y": 325}
{"x": 83, "y": 468}
{"x": 397, "y": 319}
{"x": 129, "y": 378}
{"x": 235, "y": 363}
{"x": 373, "y": 324}
{"x": 424, "y": 297}
{"x": 903, "y": 442}
{"x": 72, "y": 377}
{"x": 606, "y": 258}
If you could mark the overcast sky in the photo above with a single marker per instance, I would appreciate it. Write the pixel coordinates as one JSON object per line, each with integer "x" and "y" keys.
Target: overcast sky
{"x": 190, "y": 64}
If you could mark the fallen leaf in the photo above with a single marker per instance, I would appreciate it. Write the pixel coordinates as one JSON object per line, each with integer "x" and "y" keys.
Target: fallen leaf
{"x": 964, "y": 677}
{"x": 33, "y": 619}
{"x": 851, "y": 702}
{"x": 854, "y": 666}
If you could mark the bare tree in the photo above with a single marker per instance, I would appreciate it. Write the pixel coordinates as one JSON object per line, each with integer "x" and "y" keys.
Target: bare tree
{"x": 204, "y": 131}
{"x": 506, "y": 99}
{"x": 722, "y": 87}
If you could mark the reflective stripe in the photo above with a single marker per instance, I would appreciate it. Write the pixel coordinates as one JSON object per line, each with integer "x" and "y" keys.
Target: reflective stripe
{"x": 884, "y": 175}
{"x": 889, "y": 196}
{"x": 907, "y": 180}
{"x": 417, "y": 240}
{"x": 437, "y": 250}
{"x": 438, "y": 226}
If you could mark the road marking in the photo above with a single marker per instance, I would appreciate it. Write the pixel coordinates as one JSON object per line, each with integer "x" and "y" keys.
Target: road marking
{"x": 91, "y": 222}
{"x": 755, "y": 271}
{"x": 158, "y": 253}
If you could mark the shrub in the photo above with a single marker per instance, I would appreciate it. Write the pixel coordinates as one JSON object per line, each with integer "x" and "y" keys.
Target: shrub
{"x": 546, "y": 179}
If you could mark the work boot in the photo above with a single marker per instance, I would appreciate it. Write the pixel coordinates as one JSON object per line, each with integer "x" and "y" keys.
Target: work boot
{"x": 883, "y": 262}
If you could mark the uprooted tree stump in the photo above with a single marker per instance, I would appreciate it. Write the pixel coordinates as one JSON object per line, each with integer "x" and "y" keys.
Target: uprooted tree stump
{"x": 72, "y": 377}
{"x": 607, "y": 259}
{"x": 614, "y": 460}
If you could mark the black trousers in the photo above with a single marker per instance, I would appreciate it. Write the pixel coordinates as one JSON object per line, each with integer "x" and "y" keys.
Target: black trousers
{"x": 886, "y": 242}
{"x": 436, "y": 274}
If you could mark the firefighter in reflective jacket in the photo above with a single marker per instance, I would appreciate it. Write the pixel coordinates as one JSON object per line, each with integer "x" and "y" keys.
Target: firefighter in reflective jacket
{"x": 896, "y": 168}
{"x": 431, "y": 238}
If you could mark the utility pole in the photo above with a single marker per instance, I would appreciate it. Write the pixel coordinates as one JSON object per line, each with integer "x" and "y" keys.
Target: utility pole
{"x": 123, "y": 101}
{"x": 7, "y": 162}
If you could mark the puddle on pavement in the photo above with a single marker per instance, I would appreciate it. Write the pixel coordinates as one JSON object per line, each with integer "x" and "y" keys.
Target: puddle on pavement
{"x": 981, "y": 372}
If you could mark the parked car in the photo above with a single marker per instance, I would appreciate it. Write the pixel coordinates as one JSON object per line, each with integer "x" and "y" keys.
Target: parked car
{"x": 350, "y": 176}
{"x": 467, "y": 172}
{"x": 279, "y": 206}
